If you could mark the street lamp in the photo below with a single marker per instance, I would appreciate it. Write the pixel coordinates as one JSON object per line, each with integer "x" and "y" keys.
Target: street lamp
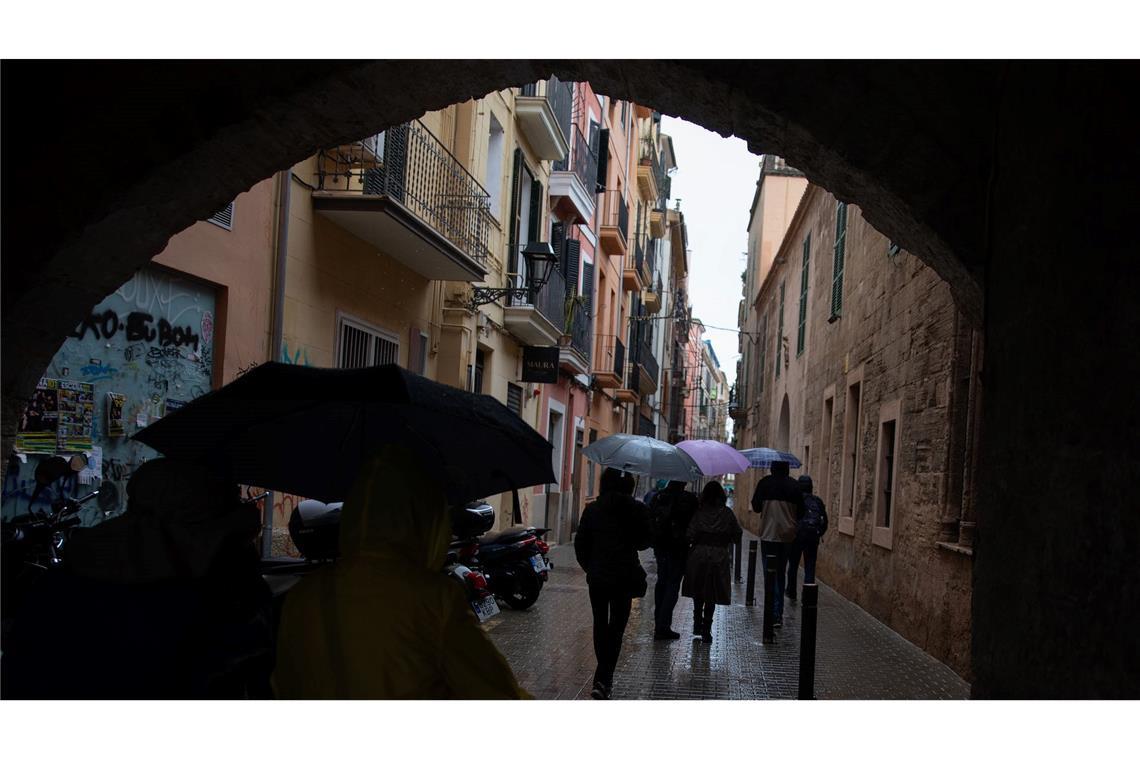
{"x": 540, "y": 260}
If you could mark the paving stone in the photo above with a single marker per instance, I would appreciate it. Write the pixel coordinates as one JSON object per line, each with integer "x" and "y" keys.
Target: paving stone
{"x": 551, "y": 649}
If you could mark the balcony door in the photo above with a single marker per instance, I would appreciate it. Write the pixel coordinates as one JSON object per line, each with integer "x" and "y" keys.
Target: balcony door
{"x": 526, "y": 218}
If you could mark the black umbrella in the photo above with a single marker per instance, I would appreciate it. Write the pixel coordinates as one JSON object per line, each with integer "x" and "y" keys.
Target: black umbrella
{"x": 307, "y": 430}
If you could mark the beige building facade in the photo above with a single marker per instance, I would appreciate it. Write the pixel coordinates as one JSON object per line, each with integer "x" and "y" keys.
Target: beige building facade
{"x": 862, "y": 366}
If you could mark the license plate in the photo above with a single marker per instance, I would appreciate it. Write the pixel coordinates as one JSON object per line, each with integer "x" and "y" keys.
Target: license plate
{"x": 485, "y": 608}
{"x": 538, "y": 563}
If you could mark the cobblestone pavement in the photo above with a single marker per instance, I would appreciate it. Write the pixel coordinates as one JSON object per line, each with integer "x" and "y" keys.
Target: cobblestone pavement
{"x": 550, "y": 648}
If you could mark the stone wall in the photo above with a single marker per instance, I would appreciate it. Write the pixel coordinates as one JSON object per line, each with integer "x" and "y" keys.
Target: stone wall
{"x": 897, "y": 333}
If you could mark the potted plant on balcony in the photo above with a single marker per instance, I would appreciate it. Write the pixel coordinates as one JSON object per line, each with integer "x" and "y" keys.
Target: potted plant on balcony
{"x": 573, "y": 303}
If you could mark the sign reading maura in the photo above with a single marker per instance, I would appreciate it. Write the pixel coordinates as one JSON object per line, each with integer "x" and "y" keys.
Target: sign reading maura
{"x": 540, "y": 364}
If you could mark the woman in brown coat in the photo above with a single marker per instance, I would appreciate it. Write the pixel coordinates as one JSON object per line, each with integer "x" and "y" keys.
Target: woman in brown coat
{"x": 711, "y": 532}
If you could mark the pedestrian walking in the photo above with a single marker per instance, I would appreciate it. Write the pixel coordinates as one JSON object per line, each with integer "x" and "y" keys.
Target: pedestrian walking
{"x": 383, "y": 622}
{"x": 669, "y": 517}
{"x": 612, "y": 529}
{"x": 809, "y": 530}
{"x": 711, "y": 534}
{"x": 658, "y": 486}
{"x": 780, "y": 503}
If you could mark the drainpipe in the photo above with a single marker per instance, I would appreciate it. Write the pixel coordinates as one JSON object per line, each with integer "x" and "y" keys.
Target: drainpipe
{"x": 276, "y": 338}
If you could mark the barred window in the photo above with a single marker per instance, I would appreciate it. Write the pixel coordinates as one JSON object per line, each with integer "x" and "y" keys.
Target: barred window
{"x": 514, "y": 398}
{"x": 361, "y": 345}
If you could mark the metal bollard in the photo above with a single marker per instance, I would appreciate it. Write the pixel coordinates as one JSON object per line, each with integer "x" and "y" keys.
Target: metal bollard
{"x": 738, "y": 553}
{"x": 769, "y": 635}
{"x": 750, "y": 595}
{"x": 809, "y": 613}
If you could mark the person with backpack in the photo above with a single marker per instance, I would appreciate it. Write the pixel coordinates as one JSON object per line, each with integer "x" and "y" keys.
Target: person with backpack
{"x": 809, "y": 530}
{"x": 613, "y": 529}
{"x": 780, "y": 503}
{"x": 669, "y": 516}
{"x": 711, "y": 532}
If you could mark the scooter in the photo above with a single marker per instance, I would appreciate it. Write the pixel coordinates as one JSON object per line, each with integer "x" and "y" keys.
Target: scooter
{"x": 514, "y": 562}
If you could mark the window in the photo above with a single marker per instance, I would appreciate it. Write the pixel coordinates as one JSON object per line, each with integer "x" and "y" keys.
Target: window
{"x": 224, "y": 218}
{"x": 480, "y": 367}
{"x": 780, "y": 332}
{"x": 851, "y": 445}
{"x": 840, "y": 250}
{"x": 763, "y": 356}
{"x": 823, "y": 490}
{"x": 893, "y": 248}
{"x": 886, "y": 475}
{"x": 417, "y": 351}
{"x": 801, "y": 333}
{"x": 361, "y": 345}
{"x": 514, "y": 398}
{"x": 494, "y": 184}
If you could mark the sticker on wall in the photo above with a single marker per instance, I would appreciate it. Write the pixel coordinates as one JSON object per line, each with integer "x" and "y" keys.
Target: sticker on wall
{"x": 115, "y": 404}
{"x": 94, "y": 469}
{"x": 173, "y": 404}
{"x": 37, "y": 431}
{"x": 76, "y": 415}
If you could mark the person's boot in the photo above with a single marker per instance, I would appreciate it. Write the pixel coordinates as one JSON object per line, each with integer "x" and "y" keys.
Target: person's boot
{"x": 698, "y": 625}
{"x": 706, "y": 630}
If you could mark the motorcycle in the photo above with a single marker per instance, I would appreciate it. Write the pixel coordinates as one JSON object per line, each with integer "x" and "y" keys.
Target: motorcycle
{"x": 514, "y": 562}
{"x": 314, "y": 527}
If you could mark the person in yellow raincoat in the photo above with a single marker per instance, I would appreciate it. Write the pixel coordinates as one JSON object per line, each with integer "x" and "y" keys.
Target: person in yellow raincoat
{"x": 383, "y": 622}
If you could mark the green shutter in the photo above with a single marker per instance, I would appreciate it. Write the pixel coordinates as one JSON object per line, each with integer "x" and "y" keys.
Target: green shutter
{"x": 840, "y": 245}
{"x": 780, "y": 333}
{"x": 513, "y": 220}
{"x": 801, "y": 335}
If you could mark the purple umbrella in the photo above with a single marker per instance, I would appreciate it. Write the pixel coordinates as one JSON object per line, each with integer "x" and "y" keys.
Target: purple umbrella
{"x": 714, "y": 457}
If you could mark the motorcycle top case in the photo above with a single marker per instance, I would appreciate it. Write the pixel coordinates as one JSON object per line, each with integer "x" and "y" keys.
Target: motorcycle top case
{"x": 472, "y": 519}
{"x": 314, "y": 527}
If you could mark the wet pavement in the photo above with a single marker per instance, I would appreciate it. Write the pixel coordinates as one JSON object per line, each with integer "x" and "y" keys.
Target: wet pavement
{"x": 549, "y": 646}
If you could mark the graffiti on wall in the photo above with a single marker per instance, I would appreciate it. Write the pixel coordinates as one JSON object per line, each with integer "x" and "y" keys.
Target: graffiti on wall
{"x": 145, "y": 349}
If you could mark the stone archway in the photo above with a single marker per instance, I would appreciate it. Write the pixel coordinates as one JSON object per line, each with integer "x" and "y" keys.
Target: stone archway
{"x": 1013, "y": 181}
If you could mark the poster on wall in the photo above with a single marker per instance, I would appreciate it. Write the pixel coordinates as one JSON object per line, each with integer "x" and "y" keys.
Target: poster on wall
{"x": 37, "y": 431}
{"x": 76, "y": 415}
{"x": 115, "y": 404}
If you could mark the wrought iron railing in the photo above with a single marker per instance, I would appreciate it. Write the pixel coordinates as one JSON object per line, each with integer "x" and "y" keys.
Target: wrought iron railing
{"x": 560, "y": 96}
{"x": 581, "y": 330}
{"x": 616, "y": 213}
{"x": 635, "y": 258}
{"x": 549, "y": 300}
{"x": 610, "y": 356}
{"x": 409, "y": 165}
{"x": 649, "y": 363}
{"x": 582, "y": 161}
{"x": 633, "y": 377}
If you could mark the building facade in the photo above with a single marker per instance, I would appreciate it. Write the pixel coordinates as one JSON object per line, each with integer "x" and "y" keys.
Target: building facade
{"x": 864, "y": 368}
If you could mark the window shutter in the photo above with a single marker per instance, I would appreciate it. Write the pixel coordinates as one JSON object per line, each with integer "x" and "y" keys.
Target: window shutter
{"x": 780, "y": 332}
{"x": 557, "y": 237}
{"x": 603, "y": 159}
{"x": 801, "y": 337}
{"x": 840, "y": 246}
{"x": 536, "y": 202}
{"x": 224, "y": 218}
{"x": 417, "y": 351}
{"x": 571, "y": 253}
{"x": 514, "y": 219}
{"x": 514, "y": 398}
{"x": 588, "y": 284}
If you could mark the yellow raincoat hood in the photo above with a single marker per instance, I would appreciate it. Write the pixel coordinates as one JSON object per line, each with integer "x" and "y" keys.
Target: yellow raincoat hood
{"x": 383, "y": 621}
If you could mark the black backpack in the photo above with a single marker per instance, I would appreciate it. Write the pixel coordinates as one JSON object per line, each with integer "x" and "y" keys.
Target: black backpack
{"x": 813, "y": 524}
{"x": 662, "y": 531}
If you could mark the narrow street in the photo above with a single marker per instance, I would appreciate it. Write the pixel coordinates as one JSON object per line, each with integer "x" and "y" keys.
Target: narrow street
{"x": 549, "y": 646}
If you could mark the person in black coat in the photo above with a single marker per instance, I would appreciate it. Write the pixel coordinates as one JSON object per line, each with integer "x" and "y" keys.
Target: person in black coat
{"x": 780, "y": 503}
{"x": 669, "y": 515}
{"x": 712, "y": 532}
{"x": 612, "y": 529}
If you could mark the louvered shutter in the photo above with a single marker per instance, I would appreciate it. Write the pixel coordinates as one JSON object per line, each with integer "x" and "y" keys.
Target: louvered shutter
{"x": 515, "y": 217}
{"x": 557, "y": 237}
{"x": 801, "y": 337}
{"x": 571, "y": 252}
{"x": 603, "y": 158}
{"x": 840, "y": 250}
{"x": 588, "y": 285}
{"x": 225, "y": 217}
{"x": 535, "y": 210}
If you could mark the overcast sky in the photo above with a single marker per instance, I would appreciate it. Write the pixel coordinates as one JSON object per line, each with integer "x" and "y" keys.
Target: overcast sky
{"x": 715, "y": 180}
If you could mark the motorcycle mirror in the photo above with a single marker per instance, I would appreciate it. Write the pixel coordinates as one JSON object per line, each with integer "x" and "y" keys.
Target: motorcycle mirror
{"x": 78, "y": 462}
{"x": 52, "y": 469}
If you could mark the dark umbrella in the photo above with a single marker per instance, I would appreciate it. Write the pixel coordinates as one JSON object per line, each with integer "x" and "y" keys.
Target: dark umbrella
{"x": 307, "y": 430}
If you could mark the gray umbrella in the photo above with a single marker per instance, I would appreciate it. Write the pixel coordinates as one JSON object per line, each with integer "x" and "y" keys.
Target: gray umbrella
{"x": 643, "y": 455}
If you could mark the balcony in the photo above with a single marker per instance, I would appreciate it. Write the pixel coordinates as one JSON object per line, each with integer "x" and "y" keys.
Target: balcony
{"x": 614, "y": 229}
{"x": 572, "y": 181}
{"x": 543, "y": 110}
{"x": 609, "y": 362}
{"x": 648, "y": 171}
{"x": 657, "y": 224}
{"x": 575, "y": 352}
{"x": 736, "y": 403}
{"x": 629, "y": 392}
{"x": 403, "y": 192}
{"x": 652, "y": 298}
{"x": 635, "y": 274}
{"x": 536, "y": 319}
{"x": 650, "y": 370}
